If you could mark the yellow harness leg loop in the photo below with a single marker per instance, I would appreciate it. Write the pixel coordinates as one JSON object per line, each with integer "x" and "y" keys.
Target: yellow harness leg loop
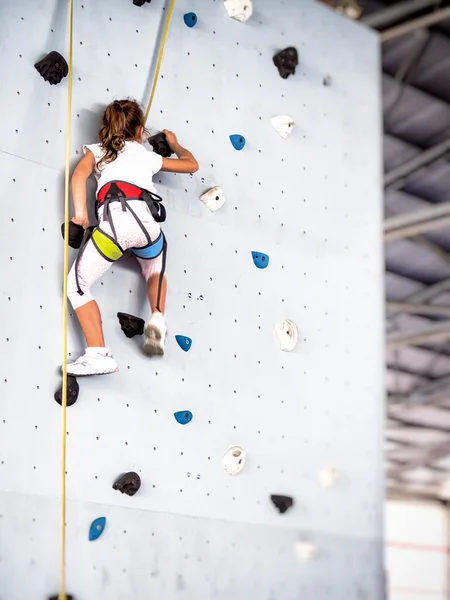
{"x": 106, "y": 246}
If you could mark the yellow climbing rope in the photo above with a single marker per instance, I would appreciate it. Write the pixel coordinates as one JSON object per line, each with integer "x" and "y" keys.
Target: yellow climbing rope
{"x": 160, "y": 56}
{"x": 62, "y": 590}
{"x": 62, "y": 584}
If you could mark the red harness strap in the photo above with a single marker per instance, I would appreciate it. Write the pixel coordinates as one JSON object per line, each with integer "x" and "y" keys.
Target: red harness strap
{"x": 129, "y": 191}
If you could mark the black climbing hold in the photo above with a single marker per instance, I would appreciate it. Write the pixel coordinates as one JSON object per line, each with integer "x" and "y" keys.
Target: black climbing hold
{"x": 53, "y": 67}
{"x": 140, "y": 2}
{"x": 73, "y": 390}
{"x": 160, "y": 145}
{"x": 76, "y": 233}
{"x": 128, "y": 483}
{"x": 283, "y": 503}
{"x": 286, "y": 61}
{"x": 327, "y": 81}
{"x": 130, "y": 324}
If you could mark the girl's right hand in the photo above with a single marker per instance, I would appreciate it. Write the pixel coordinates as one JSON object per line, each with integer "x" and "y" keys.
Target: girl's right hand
{"x": 171, "y": 138}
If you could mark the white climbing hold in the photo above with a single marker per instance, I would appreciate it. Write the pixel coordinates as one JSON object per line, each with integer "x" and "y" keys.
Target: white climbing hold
{"x": 241, "y": 10}
{"x": 287, "y": 335}
{"x": 234, "y": 460}
{"x": 213, "y": 198}
{"x": 329, "y": 477}
{"x": 306, "y": 550}
{"x": 283, "y": 125}
{"x": 350, "y": 8}
{"x": 444, "y": 490}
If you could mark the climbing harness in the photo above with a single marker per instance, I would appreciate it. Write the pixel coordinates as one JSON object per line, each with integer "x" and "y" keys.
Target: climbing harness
{"x": 121, "y": 191}
{"x": 107, "y": 245}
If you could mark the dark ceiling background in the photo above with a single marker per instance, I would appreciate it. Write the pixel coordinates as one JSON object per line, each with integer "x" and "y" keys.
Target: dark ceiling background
{"x": 416, "y": 110}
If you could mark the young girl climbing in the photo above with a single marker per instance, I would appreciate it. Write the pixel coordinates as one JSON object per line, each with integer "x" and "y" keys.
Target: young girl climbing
{"x": 129, "y": 213}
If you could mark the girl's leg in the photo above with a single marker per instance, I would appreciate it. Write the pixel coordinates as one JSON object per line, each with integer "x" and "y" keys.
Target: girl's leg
{"x": 97, "y": 359}
{"x": 91, "y": 323}
{"x": 155, "y": 286}
{"x": 155, "y": 330}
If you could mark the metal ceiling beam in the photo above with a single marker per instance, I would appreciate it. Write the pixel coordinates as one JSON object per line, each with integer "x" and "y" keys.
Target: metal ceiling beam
{"x": 427, "y": 293}
{"x": 420, "y": 239}
{"x": 430, "y": 292}
{"x": 407, "y": 68}
{"x": 420, "y": 23}
{"x": 416, "y": 86}
{"x": 432, "y": 392}
{"x": 398, "y": 492}
{"x": 418, "y": 309}
{"x": 431, "y": 399}
{"x": 413, "y": 230}
{"x": 432, "y": 247}
{"x": 401, "y": 462}
{"x": 392, "y": 14}
{"x": 440, "y": 332}
{"x": 401, "y": 444}
{"x": 413, "y": 425}
{"x": 417, "y": 216}
{"x": 433, "y": 453}
{"x": 424, "y": 158}
{"x": 395, "y": 368}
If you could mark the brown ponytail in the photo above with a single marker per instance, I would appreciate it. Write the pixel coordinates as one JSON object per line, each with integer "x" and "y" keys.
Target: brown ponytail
{"x": 120, "y": 123}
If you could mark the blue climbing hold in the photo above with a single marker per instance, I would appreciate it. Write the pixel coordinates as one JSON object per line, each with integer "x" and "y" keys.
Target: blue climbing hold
{"x": 238, "y": 141}
{"x": 190, "y": 19}
{"x": 97, "y": 528}
{"x": 184, "y": 342}
{"x": 183, "y": 416}
{"x": 261, "y": 260}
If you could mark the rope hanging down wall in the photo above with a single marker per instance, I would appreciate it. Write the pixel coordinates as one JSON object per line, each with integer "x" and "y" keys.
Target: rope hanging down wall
{"x": 62, "y": 591}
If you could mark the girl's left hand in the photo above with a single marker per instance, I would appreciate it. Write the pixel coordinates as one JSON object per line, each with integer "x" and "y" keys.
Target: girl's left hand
{"x": 83, "y": 221}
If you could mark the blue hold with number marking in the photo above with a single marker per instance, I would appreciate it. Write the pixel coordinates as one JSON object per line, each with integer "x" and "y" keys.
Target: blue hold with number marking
{"x": 190, "y": 19}
{"x": 238, "y": 141}
{"x": 260, "y": 259}
{"x": 184, "y": 342}
{"x": 97, "y": 528}
{"x": 183, "y": 416}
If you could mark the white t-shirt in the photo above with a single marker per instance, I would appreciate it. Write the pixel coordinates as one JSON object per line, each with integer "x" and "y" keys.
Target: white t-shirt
{"x": 134, "y": 164}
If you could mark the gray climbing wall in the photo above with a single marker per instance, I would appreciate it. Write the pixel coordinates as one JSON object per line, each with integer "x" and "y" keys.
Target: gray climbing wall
{"x": 311, "y": 202}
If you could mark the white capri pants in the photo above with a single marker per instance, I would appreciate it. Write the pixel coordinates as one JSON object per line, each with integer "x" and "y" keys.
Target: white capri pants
{"x": 92, "y": 265}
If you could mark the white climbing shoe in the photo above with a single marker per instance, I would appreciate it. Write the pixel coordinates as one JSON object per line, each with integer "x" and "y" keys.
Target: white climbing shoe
{"x": 155, "y": 332}
{"x": 95, "y": 361}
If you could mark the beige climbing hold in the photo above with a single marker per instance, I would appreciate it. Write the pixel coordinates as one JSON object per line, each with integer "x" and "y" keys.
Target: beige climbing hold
{"x": 287, "y": 335}
{"x": 350, "y": 8}
{"x": 283, "y": 125}
{"x": 306, "y": 551}
{"x": 234, "y": 460}
{"x": 329, "y": 477}
{"x": 241, "y": 10}
{"x": 213, "y": 198}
